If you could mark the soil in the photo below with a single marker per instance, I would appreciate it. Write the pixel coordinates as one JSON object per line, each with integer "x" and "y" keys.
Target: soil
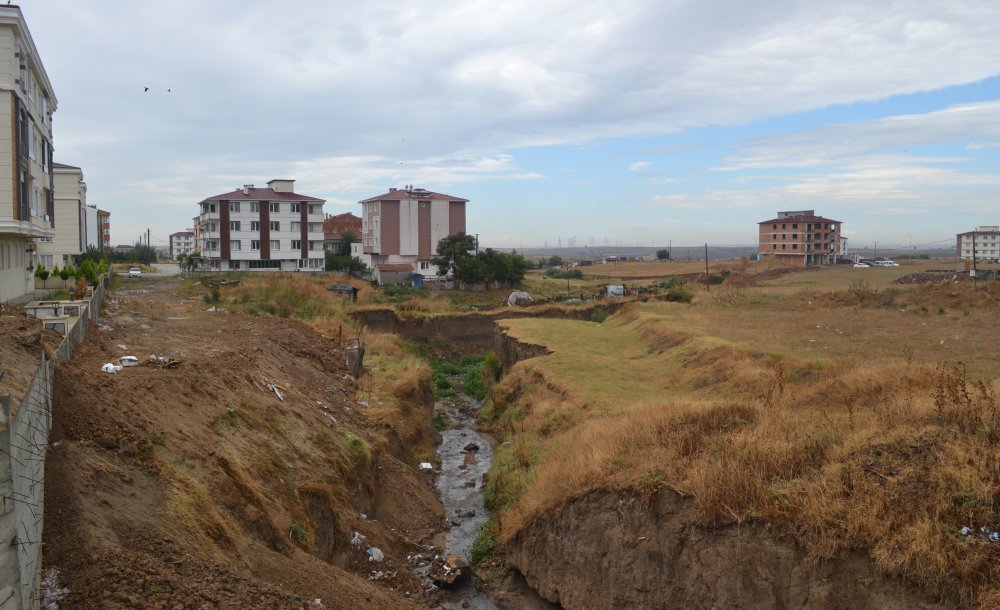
{"x": 615, "y": 549}
{"x": 22, "y": 342}
{"x": 196, "y": 486}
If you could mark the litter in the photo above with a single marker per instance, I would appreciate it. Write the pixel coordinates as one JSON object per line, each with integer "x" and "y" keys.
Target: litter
{"x": 122, "y": 346}
{"x": 375, "y": 554}
{"x": 995, "y": 537}
{"x": 111, "y": 368}
{"x": 128, "y": 361}
{"x": 426, "y": 466}
{"x": 471, "y": 447}
{"x": 357, "y": 539}
{"x": 966, "y": 531}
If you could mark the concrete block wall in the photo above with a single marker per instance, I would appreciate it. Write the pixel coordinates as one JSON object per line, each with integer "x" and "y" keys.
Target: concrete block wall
{"x": 24, "y": 439}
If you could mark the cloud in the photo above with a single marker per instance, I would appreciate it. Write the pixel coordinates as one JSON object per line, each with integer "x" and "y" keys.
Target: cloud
{"x": 639, "y": 166}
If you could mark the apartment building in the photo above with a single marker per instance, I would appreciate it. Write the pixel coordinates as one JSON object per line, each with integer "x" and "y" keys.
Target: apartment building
{"x": 70, "y": 220}
{"x": 336, "y": 225}
{"x": 262, "y": 229}
{"x": 405, "y": 225}
{"x": 799, "y": 238}
{"x": 981, "y": 245}
{"x": 181, "y": 243}
{"x": 104, "y": 230}
{"x": 27, "y": 203}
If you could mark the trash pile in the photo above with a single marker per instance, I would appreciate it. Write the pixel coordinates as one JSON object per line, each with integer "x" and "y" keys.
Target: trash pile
{"x": 929, "y": 277}
{"x": 162, "y": 362}
{"x": 984, "y": 533}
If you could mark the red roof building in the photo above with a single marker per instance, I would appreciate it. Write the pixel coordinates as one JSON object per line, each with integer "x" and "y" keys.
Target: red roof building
{"x": 335, "y": 226}
{"x": 800, "y": 238}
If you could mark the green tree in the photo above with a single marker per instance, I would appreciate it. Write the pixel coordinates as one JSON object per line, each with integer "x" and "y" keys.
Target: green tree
{"x": 555, "y": 261}
{"x": 346, "y": 239}
{"x": 663, "y": 255}
{"x": 452, "y": 250}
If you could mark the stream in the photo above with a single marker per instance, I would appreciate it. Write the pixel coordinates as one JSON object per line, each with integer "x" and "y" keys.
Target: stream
{"x": 459, "y": 485}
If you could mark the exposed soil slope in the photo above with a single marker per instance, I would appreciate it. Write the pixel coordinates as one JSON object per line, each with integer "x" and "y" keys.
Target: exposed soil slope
{"x": 196, "y": 486}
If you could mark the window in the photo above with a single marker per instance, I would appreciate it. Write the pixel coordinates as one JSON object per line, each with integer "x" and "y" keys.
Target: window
{"x": 795, "y": 246}
{"x": 295, "y": 207}
{"x": 45, "y": 260}
{"x": 316, "y": 208}
{"x": 255, "y": 225}
{"x": 211, "y": 208}
{"x": 774, "y": 226}
{"x": 31, "y": 139}
{"x": 424, "y": 265}
{"x": 795, "y": 225}
{"x": 795, "y": 235}
{"x": 234, "y": 225}
{"x": 254, "y": 206}
{"x": 782, "y": 246}
{"x": 274, "y": 207}
{"x": 275, "y": 245}
{"x": 296, "y": 244}
{"x": 296, "y": 227}
{"x": 235, "y": 245}
{"x": 234, "y": 206}
{"x": 255, "y": 244}
{"x": 274, "y": 225}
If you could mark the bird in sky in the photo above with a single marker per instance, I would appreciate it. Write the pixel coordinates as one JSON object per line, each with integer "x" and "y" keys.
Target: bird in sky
{"x": 144, "y": 89}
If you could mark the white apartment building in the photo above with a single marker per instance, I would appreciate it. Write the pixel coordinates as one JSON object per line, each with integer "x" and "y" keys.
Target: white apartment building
{"x": 27, "y": 205}
{"x": 981, "y": 245}
{"x": 262, "y": 229}
{"x": 181, "y": 243}
{"x": 405, "y": 225}
{"x": 70, "y": 239}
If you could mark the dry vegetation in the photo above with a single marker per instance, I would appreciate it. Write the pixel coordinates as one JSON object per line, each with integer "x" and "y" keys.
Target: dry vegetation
{"x": 848, "y": 419}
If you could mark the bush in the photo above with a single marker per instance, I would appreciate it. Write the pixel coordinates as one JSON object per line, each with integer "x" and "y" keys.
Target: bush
{"x": 598, "y": 315}
{"x": 564, "y": 274}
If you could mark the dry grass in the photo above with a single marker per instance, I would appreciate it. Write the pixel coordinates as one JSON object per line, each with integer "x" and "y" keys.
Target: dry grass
{"x": 847, "y": 428}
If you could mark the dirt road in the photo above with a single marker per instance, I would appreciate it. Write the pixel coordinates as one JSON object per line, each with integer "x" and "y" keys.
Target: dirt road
{"x": 234, "y": 479}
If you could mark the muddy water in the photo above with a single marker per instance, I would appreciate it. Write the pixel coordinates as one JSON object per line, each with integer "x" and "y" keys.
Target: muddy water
{"x": 460, "y": 487}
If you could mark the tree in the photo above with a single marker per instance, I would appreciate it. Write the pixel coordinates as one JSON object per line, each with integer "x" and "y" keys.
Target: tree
{"x": 452, "y": 250}
{"x": 663, "y": 255}
{"x": 346, "y": 239}
{"x": 555, "y": 261}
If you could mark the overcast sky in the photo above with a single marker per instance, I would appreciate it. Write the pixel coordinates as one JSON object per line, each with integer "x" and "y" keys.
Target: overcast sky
{"x": 619, "y": 122}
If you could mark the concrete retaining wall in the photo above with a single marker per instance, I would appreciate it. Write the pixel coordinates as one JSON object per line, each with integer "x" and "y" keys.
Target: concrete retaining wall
{"x": 24, "y": 439}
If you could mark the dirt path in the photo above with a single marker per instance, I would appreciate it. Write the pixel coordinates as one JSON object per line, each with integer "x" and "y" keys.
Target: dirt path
{"x": 198, "y": 487}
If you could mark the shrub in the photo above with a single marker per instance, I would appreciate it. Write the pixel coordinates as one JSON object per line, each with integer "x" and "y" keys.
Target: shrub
{"x": 598, "y": 315}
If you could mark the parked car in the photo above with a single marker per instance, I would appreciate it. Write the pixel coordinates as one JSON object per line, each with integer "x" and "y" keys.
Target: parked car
{"x": 861, "y": 265}
{"x": 135, "y": 272}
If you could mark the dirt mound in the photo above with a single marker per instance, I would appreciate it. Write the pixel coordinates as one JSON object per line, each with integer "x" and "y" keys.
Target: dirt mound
{"x": 22, "y": 341}
{"x": 930, "y": 277}
{"x": 232, "y": 480}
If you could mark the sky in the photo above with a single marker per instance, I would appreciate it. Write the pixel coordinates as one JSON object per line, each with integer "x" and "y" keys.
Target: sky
{"x": 625, "y": 122}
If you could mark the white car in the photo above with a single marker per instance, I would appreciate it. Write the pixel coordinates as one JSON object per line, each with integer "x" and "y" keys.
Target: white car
{"x": 861, "y": 265}
{"x": 135, "y": 272}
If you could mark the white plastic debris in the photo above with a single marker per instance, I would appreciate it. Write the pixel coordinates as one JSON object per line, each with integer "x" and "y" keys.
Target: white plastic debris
{"x": 110, "y": 368}
{"x": 128, "y": 361}
{"x": 995, "y": 537}
{"x": 375, "y": 554}
{"x": 122, "y": 347}
{"x": 357, "y": 539}
{"x": 426, "y": 466}
{"x": 966, "y": 531}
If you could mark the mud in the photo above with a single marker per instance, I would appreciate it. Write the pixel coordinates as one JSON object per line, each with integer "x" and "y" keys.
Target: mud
{"x": 610, "y": 549}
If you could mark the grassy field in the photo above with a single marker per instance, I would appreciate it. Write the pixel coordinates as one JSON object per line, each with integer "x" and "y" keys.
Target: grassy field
{"x": 847, "y": 416}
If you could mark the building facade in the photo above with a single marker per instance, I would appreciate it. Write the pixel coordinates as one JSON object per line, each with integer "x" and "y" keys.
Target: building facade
{"x": 335, "y": 226}
{"x": 981, "y": 245}
{"x": 70, "y": 220}
{"x": 405, "y": 225}
{"x": 181, "y": 243}
{"x": 104, "y": 230}
{"x": 27, "y": 203}
{"x": 799, "y": 238}
{"x": 261, "y": 229}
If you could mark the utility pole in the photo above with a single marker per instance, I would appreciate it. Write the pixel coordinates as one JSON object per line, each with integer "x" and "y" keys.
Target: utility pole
{"x": 707, "y": 289}
{"x": 670, "y": 249}
{"x": 477, "y": 244}
{"x": 974, "y": 273}
{"x": 876, "y": 250}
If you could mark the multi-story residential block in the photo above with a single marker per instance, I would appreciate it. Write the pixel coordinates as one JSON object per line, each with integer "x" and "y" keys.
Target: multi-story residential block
{"x": 70, "y": 222}
{"x": 800, "y": 237}
{"x": 104, "y": 230}
{"x": 181, "y": 243}
{"x": 27, "y": 204}
{"x": 405, "y": 225}
{"x": 196, "y": 229}
{"x": 269, "y": 228}
{"x": 981, "y": 245}
{"x": 334, "y": 228}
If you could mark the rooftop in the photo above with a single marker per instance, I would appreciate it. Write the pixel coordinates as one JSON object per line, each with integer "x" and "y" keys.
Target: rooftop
{"x": 413, "y": 193}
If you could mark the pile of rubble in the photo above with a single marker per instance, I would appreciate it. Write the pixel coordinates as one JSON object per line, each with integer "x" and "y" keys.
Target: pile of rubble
{"x": 930, "y": 277}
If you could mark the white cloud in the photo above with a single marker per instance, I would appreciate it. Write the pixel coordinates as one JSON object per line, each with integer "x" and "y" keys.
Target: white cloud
{"x": 639, "y": 166}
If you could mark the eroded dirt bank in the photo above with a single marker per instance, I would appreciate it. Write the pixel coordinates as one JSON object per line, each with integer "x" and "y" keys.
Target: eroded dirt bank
{"x": 470, "y": 332}
{"x": 611, "y": 549}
